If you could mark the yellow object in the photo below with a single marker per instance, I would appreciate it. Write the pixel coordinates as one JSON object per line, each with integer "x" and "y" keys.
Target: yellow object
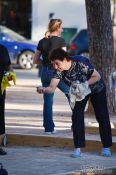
{"x": 6, "y": 78}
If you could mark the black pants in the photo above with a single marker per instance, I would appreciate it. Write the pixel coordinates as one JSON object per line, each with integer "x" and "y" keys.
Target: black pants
{"x": 99, "y": 103}
{"x": 2, "y": 113}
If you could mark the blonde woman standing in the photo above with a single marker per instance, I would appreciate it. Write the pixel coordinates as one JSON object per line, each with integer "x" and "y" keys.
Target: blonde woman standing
{"x": 44, "y": 47}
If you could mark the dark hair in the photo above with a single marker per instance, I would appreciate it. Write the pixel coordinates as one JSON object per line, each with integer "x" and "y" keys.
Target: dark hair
{"x": 58, "y": 54}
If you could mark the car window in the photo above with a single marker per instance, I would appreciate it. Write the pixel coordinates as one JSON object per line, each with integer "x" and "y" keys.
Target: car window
{"x": 13, "y": 35}
{"x": 82, "y": 34}
{"x": 81, "y": 37}
{"x": 4, "y": 37}
{"x": 1, "y": 36}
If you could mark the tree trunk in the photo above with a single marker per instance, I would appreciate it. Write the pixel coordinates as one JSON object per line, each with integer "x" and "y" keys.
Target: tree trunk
{"x": 101, "y": 42}
{"x": 114, "y": 13}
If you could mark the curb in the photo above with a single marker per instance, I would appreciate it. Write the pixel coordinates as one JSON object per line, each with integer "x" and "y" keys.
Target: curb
{"x": 95, "y": 130}
{"x": 50, "y": 141}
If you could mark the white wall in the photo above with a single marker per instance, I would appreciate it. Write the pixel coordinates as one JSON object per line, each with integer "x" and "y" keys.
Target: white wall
{"x": 72, "y": 12}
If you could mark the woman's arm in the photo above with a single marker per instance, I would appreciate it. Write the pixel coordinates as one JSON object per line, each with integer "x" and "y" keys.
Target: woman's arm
{"x": 94, "y": 77}
{"x": 36, "y": 58}
{"x": 51, "y": 88}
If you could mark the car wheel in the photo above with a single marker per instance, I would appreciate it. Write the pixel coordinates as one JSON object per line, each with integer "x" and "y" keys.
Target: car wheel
{"x": 85, "y": 54}
{"x": 26, "y": 60}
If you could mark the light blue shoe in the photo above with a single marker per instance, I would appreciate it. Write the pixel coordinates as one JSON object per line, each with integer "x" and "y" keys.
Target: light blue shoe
{"x": 106, "y": 152}
{"x": 50, "y": 133}
{"x": 76, "y": 153}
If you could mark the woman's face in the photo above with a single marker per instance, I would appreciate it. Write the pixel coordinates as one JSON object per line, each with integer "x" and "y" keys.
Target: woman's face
{"x": 60, "y": 30}
{"x": 60, "y": 65}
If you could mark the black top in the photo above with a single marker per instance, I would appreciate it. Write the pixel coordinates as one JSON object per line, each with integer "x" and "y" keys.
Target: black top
{"x": 4, "y": 62}
{"x": 45, "y": 45}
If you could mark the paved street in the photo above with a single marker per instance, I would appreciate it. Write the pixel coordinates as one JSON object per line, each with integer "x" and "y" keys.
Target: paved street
{"x": 54, "y": 161}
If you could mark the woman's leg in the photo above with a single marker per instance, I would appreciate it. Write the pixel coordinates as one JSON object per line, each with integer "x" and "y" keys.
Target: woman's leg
{"x": 48, "y": 112}
{"x": 2, "y": 114}
{"x": 2, "y": 122}
{"x": 78, "y": 123}
{"x": 48, "y": 101}
{"x": 65, "y": 89}
{"x": 99, "y": 103}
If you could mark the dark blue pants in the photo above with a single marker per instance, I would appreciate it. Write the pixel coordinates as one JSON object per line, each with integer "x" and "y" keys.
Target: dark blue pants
{"x": 46, "y": 76}
{"x": 99, "y": 103}
{"x": 2, "y": 114}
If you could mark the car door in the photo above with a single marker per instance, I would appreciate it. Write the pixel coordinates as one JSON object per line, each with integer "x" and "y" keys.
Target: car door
{"x": 9, "y": 44}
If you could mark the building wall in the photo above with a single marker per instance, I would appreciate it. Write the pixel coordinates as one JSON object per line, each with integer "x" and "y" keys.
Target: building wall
{"x": 16, "y": 15}
{"x": 72, "y": 12}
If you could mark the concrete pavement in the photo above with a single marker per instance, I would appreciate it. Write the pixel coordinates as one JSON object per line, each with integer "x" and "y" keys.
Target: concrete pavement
{"x": 55, "y": 161}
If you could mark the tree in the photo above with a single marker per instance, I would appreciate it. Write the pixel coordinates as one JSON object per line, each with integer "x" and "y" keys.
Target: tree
{"x": 114, "y": 26}
{"x": 101, "y": 42}
{"x": 114, "y": 12}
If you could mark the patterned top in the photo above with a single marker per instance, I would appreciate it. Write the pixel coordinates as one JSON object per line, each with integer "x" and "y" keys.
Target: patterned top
{"x": 81, "y": 70}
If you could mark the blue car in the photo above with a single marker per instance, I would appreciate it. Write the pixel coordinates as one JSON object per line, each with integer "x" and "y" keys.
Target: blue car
{"x": 79, "y": 44}
{"x": 21, "y": 50}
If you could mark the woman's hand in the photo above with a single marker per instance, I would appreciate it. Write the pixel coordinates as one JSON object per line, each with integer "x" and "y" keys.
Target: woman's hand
{"x": 9, "y": 78}
{"x": 94, "y": 77}
{"x": 50, "y": 89}
{"x": 40, "y": 89}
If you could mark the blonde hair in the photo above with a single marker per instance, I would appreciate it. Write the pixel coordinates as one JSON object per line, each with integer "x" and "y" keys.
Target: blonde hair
{"x": 47, "y": 34}
{"x": 54, "y": 24}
